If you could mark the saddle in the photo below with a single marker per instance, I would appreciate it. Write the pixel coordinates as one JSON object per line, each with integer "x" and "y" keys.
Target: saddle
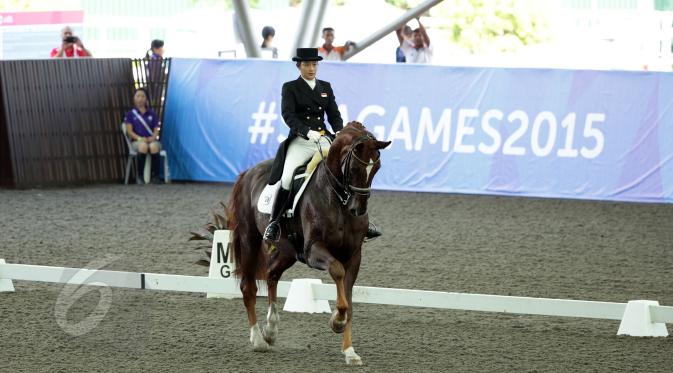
{"x": 300, "y": 179}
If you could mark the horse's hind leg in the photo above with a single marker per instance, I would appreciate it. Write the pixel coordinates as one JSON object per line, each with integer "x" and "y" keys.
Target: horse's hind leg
{"x": 249, "y": 289}
{"x": 280, "y": 260}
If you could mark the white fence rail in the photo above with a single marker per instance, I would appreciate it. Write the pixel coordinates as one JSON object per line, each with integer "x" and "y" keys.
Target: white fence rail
{"x": 639, "y": 318}
{"x": 480, "y": 302}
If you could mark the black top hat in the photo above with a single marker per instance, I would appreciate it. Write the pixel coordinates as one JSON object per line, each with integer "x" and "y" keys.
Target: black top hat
{"x": 307, "y": 54}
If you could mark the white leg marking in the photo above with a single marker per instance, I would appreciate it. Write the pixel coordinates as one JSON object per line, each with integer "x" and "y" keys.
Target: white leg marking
{"x": 270, "y": 331}
{"x": 351, "y": 357}
{"x": 258, "y": 342}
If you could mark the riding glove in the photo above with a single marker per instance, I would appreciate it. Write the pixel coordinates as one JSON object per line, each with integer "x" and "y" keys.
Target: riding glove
{"x": 314, "y": 136}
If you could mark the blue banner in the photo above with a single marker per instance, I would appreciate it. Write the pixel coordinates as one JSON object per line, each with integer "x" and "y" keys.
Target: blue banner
{"x": 531, "y": 132}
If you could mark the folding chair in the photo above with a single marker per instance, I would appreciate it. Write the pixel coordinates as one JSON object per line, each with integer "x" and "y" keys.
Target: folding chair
{"x": 133, "y": 160}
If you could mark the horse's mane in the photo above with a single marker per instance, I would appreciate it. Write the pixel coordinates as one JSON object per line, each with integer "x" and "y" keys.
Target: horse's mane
{"x": 346, "y": 136}
{"x": 355, "y": 125}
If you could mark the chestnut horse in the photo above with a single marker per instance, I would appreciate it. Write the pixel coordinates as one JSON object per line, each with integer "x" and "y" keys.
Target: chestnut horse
{"x": 327, "y": 230}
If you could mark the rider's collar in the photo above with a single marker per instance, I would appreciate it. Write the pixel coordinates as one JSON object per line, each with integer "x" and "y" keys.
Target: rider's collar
{"x": 311, "y": 83}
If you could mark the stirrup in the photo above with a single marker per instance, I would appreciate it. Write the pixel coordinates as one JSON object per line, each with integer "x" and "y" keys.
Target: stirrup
{"x": 272, "y": 232}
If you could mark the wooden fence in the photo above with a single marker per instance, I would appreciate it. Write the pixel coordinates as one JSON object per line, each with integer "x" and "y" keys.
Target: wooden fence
{"x": 60, "y": 119}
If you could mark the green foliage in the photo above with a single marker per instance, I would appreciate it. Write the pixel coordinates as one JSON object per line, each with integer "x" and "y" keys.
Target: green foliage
{"x": 665, "y": 5}
{"x": 404, "y": 4}
{"x": 220, "y": 221}
{"x": 493, "y": 25}
{"x": 228, "y": 4}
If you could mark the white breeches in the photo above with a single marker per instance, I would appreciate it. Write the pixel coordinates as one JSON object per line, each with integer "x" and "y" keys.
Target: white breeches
{"x": 298, "y": 152}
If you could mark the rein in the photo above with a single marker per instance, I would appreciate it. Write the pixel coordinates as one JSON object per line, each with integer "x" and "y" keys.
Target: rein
{"x": 343, "y": 188}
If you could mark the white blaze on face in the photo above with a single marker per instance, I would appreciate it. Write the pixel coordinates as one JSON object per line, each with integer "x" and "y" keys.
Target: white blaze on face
{"x": 369, "y": 168}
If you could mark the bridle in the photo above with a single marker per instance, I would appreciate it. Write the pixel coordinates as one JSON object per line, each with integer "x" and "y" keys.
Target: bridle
{"x": 343, "y": 188}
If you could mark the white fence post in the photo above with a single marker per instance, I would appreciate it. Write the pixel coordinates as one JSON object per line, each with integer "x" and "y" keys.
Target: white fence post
{"x": 5, "y": 283}
{"x": 637, "y": 320}
{"x": 301, "y": 298}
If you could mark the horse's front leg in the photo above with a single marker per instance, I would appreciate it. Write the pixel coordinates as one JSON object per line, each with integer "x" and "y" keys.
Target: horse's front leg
{"x": 352, "y": 269}
{"x": 320, "y": 258}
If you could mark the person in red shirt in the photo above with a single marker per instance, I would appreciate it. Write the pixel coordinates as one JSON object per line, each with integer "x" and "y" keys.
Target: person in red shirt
{"x": 329, "y": 51}
{"x": 71, "y": 46}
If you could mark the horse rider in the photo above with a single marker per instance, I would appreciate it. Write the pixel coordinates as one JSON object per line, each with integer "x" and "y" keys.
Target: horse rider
{"x": 304, "y": 103}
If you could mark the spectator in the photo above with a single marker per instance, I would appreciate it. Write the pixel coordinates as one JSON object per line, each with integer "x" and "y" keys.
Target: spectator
{"x": 156, "y": 51}
{"x": 404, "y": 36}
{"x": 268, "y": 34}
{"x": 142, "y": 127}
{"x": 421, "y": 50}
{"x": 328, "y": 51}
{"x": 153, "y": 70}
{"x": 71, "y": 46}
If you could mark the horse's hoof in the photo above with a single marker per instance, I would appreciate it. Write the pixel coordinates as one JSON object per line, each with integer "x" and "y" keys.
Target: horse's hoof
{"x": 269, "y": 335}
{"x": 351, "y": 357}
{"x": 336, "y": 325}
{"x": 270, "y": 330}
{"x": 261, "y": 346}
{"x": 257, "y": 340}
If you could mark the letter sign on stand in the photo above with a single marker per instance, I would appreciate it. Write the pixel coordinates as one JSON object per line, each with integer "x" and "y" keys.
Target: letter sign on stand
{"x": 222, "y": 261}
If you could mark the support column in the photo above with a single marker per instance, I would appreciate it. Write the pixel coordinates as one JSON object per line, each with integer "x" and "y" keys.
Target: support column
{"x": 243, "y": 17}
{"x": 322, "y": 9}
{"x": 304, "y": 26}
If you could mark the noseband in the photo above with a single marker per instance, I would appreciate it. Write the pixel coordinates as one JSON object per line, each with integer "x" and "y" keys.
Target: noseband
{"x": 343, "y": 188}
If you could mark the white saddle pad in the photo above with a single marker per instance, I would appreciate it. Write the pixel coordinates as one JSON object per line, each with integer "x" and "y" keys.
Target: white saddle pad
{"x": 268, "y": 195}
{"x": 265, "y": 201}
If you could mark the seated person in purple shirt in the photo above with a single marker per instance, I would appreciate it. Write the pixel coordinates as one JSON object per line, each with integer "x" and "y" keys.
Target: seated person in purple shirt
{"x": 142, "y": 127}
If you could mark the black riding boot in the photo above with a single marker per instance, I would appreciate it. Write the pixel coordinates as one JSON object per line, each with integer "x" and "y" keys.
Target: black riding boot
{"x": 372, "y": 232}
{"x": 155, "y": 169}
{"x": 272, "y": 231}
{"x": 140, "y": 170}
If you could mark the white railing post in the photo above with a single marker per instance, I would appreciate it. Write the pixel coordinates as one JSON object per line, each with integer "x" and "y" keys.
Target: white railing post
{"x": 637, "y": 320}
{"x": 301, "y": 297}
{"x": 6, "y": 284}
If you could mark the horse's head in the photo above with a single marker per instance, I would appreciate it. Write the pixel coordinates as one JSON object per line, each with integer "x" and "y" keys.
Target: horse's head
{"x": 353, "y": 160}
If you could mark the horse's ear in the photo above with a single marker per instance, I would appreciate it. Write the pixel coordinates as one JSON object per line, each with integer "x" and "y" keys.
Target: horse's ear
{"x": 382, "y": 144}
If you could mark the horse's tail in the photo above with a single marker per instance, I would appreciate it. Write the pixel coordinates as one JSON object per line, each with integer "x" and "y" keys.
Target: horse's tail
{"x": 248, "y": 252}
{"x": 234, "y": 211}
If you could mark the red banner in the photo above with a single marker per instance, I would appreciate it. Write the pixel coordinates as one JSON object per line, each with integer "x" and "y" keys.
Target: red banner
{"x": 40, "y": 18}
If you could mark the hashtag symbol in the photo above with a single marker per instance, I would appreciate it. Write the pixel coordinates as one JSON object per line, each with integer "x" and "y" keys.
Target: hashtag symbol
{"x": 267, "y": 117}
